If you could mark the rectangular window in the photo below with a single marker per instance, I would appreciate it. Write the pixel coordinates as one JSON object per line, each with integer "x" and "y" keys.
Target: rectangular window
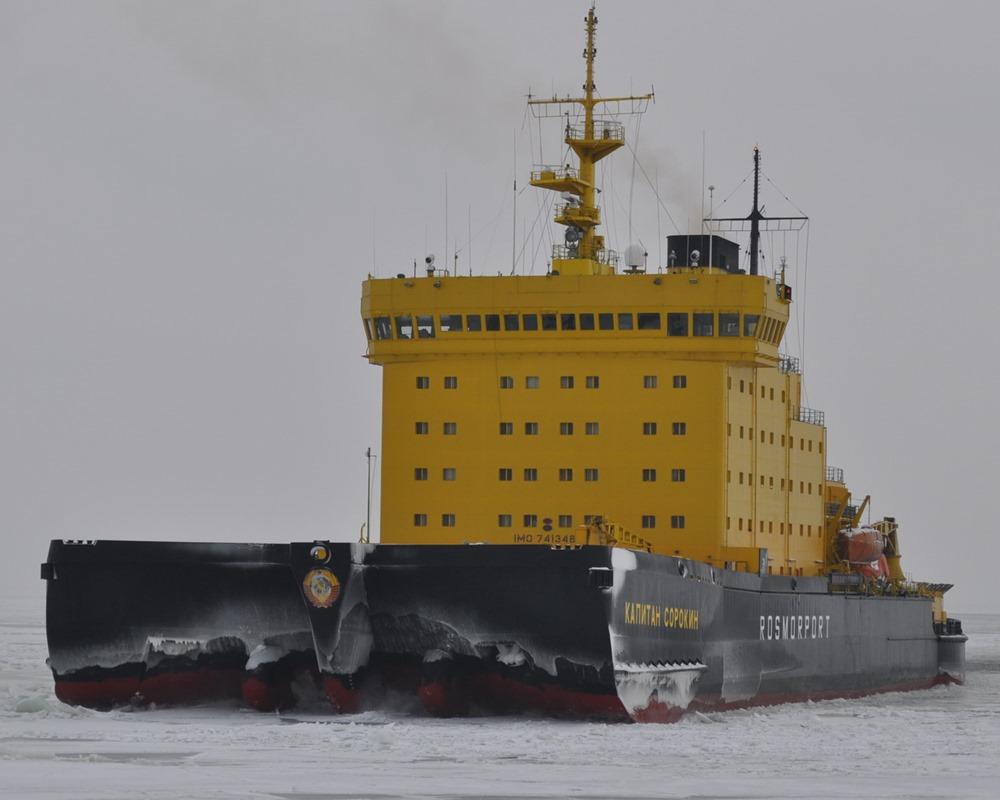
{"x": 592, "y": 428}
{"x": 506, "y": 474}
{"x": 624, "y": 322}
{"x": 567, "y": 322}
{"x": 449, "y": 473}
{"x": 677, "y": 521}
{"x": 506, "y": 381}
{"x": 423, "y": 382}
{"x": 680, "y": 428}
{"x": 368, "y": 328}
{"x": 606, "y": 322}
{"x": 649, "y": 428}
{"x": 531, "y": 382}
{"x": 474, "y": 323}
{"x": 649, "y": 475}
{"x": 677, "y": 324}
{"x": 504, "y": 520}
{"x": 648, "y": 381}
{"x": 510, "y": 322}
{"x": 648, "y": 521}
{"x": 530, "y": 474}
{"x": 448, "y": 520}
{"x": 451, "y": 323}
{"x": 450, "y": 428}
{"x": 590, "y": 474}
{"x": 648, "y": 322}
{"x": 383, "y": 328}
{"x": 729, "y": 324}
{"x": 530, "y": 322}
{"x": 593, "y": 382}
{"x": 591, "y": 519}
{"x": 565, "y": 428}
{"x": 565, "y": 474}
{"x": 404, "y": 327}
{"x": 678, "y": 475}
{"x": 566, "y": 382}
{"x": 680, "y": 381}
{"x": 531, "y": 429}
{"x": 425, "y": 326}
{"x": 492, "y": 322}
{"x": 530, "y": 520}
{"x": 565, "y": 521}
{"x": 420, "y": 520}
{"x": 548, "y": 322}
{"x": 704, "y": 324}
{"x": 451, "y": 382}
{"x": 420, "y": 473}
{"x": 421, "y": 428}
{"x": 506, "y": 428}
{"x": 586, "y": 322}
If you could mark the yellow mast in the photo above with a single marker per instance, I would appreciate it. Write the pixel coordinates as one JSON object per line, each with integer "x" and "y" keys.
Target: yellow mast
{"x": 584, "y": 252}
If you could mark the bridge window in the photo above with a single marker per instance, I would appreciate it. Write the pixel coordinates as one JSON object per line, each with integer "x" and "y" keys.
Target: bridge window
{"x": 750, "y": 324}
{"x": 704, "y": 324}
{"x": 492, "y": 322}
{"x": 504, "y": 520}
{"x": 474, "y": 323}
{"x": 565, "y": 521}
{"x": 451, "y": 323}
{"x": 677, "y": 324}
{"x": 383, "y": 328}
{"x": 404, "y": 327}
{"x": 425, "y": 326}
{"x": 593, "y": 382}
{"x": 568, "y": 322}
{"x": 606, "y": 322}
{"x": 648, "y": 322}
{"x": 624, "y": 322}
{"x": 530, "y": 322}
{"x": 548, "y": 322}
{"x": 451, "y": 382}
{"x": 510, "y": 322}
{"x": 729, "y": 324}
{"x": 530, "y": 520}
{"x": 586, "y": 322}
{"x": 648, "y": 521}
{"x": 368, "y": 328}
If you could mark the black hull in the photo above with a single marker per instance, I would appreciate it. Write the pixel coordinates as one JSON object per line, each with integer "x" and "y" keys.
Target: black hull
{"x": 592, "y": 632}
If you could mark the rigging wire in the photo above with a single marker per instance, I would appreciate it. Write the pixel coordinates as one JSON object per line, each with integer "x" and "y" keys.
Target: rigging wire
{"x": 645, "y": 175}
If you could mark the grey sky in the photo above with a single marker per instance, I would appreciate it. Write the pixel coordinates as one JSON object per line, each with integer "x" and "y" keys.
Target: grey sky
{"x": 187, "y": 195}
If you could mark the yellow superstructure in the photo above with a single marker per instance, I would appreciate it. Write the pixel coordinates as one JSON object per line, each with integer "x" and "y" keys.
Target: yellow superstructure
{"x": 516, "y": 409}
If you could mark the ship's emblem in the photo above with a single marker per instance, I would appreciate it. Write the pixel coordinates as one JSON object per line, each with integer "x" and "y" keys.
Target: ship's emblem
{"x": 321, "y": 587}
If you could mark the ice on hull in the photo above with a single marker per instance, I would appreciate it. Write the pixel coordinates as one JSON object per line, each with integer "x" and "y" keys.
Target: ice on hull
{"x": 591, "y": 632}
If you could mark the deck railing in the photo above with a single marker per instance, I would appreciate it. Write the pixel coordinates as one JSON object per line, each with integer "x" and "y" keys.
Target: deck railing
{"x": 810, "y": 416}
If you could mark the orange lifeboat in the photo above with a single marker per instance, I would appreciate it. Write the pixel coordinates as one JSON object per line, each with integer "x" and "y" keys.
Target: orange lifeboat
{"x": 860, "y": 545}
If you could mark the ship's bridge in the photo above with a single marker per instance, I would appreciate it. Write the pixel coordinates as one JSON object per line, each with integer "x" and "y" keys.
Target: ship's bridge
{"x": 698, "y": 313}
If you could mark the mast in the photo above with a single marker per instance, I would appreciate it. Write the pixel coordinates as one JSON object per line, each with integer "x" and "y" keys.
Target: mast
{"x": 583, "y": 252}
{"x": 755, "y": 215}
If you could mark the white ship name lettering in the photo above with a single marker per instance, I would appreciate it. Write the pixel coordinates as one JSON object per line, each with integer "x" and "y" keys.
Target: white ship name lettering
{"x": 794, "y": 626}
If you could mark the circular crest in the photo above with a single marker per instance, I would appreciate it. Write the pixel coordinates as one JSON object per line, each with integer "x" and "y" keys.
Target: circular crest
{"x": 321, "y": 587}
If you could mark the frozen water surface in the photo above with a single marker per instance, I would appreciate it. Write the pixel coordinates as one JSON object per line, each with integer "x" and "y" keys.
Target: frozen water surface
{"x": 941, "y": 743}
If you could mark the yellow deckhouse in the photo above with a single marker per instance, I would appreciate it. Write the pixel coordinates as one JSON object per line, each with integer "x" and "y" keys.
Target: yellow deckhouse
{"x": 517, "y": 409}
